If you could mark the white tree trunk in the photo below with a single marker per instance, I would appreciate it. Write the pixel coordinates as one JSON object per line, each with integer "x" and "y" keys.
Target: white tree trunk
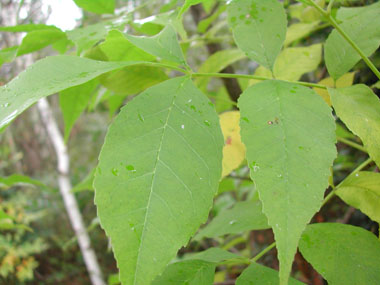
{"x": 68, "y": 197}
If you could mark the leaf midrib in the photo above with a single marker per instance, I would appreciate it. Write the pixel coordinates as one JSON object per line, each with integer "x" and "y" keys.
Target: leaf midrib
{"x": 153, "y": 179}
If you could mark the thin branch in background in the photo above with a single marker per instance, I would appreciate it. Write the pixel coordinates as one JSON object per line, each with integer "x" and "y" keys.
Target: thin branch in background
{"x": 65, "y": 187}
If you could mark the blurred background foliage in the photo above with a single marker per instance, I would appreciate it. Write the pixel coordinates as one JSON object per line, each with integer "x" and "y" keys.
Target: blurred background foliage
{"x": 36, "y": 239}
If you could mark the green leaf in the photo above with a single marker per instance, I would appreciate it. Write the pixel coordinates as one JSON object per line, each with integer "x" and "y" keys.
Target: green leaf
{"x": 39, "y": 39}
{"x": 8, "y": 54}
{"x": 113, "y": 279}
{"x": 73, "y": 102}
{"x": 86, "y": 183}
{"x": 362, "y": 191}
{"x": 153, "y": 25}
{"x": 292, "y": 63}
{"x": 97, "y": 6}
{"x": 217, "y": 62}
{"x": 115, "y": 101}
{"x": 164, "y": 45}
{"x": 25, "y": 28}
{"x": 196, "y": 269}
{"x": 133, "y": 79}
{"x": 298, "y": 31}
{"x": 340, "y": 56}
{"x": 343, "y": 132}
{"x": 289, "y": 133}
{"x": 189, "y": 272}
{"x": 376, "y": 85}
{"x": 359, "y": 108}
{"x": 16, "y": 179}
{"x": 259, "y": 28}
{"x": 117, "y": 48}
{"x": 342, "y": 254}
{"x": 57, "y": 73}
{"x": 150, "y": 201}
{"x": 86, "y": 37}
{"x": 257, "y": 274}
{"x": 206, "y": 23}
{"x": 188, "y": 4}
{"x": 243, "y": 216}
{"x": 62, "y": 45}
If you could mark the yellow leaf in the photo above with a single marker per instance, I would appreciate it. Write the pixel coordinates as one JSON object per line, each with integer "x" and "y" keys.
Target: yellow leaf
{"x": 344, "y": 81}
{"x": 234, "y": 149}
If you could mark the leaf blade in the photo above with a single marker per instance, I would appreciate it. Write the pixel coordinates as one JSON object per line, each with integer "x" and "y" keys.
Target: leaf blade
{"x": 243, "y": 216}
{"x": 259, "y": 28}
{"x": 97, "y": 6}
{"x": 234, "y": 149}
{"x": 164, "y": 45}
{"x": 73, "y": 102}
{"x": 359, "y": 108}
{"x": 281, "y": 133}
{"x": 362, "y": 191}
{"x": 57, "y": 73}
{"x": 163, "y": 197}
{"x": 340, "y": 56}
{"x": 259, "y": 274}
{"x": 351, "y": 255}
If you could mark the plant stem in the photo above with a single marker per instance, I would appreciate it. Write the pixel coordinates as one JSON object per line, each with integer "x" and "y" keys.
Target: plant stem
{"x": 355, "y": 46}
{"x": 357, "y": 169}
{"x": 333, "y": 23}
{"x": 169, "y": 66}
{"x": 234, "y": 242}
{"x": 263, "y": 252}
{"x": 351, "y": 143}
{"x": 207, "y": 39}
{"x": 247, "y": 76}
{"x": 331, "y": 4}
